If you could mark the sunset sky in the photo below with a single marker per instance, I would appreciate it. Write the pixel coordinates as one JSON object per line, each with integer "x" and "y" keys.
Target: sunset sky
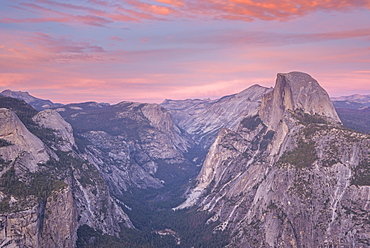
{"x": 110, "y": 51}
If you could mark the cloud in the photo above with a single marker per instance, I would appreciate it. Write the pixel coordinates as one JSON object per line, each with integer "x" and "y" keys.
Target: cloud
{"x": 116, "y": 38}
{"x": 151, "y": 8}
{"x": 240, "y": 37}
{"x": 183, "y": 59}
{"x": 176, "y": 3}
{"x": 61, "y": 44}
{"x": 103, "y": 12}
{"x": 362, "y": 72}
{"x": 23, "y": 48}
{"x": 269, "y": 9}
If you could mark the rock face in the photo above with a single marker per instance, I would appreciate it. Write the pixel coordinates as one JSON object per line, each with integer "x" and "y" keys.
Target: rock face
{"x": 62, "y": 210}
{"x": 129, "y": 142}
{"x": 37, "y": 103}
{"x": 290, "y": 176}
{"x": 293, "y": 91}
{"x": 281, "y": 171}
{"x": 203, "y": 119}
{"x": 26, "y": 150}
{"x": 112, "y": 156}
{"x": 63, "y": 130}
{"x": 47, "y": 191}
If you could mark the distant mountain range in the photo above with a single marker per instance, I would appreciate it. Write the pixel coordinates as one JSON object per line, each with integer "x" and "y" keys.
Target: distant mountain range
{"x": 197, "y": 116}
{"x": 194, "y": 115}
{"x": 363, "y": 99}
{"x": 36, "y": 103}
{"x": 357, "y": 102}
{"x": 266, "y": 167}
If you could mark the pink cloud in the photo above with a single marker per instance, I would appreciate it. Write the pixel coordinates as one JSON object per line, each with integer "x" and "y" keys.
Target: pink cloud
{"x": 176, "y": 3}
{"x": 101, "y": 12}
{"x": 100, "y": 2}
{"x": 275, "y": 39}
{"x": 362, "y": 72}
{"x": 66, "y": 5}
{"x": 213, "y": 64}
{"x": 61, "y": 44}
{"x": 116, "y": 38}
{"x": 22, "y": 48}
{"x": 151, "y": 8}
{"x": 276, "y": 9}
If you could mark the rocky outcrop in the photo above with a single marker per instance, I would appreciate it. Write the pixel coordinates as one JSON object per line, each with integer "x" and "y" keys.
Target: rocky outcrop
{"x": 52, "y": 120}
{"x": 128, "y": 142}
{"x": 290, "y": 176}
{"x": 112, "y": 156}
{"x": 296, "y": 91}
{"x": 20, "y": 228}
{"x": 96, "y": 206}
{"x": 162, "y": 120}
{"x": 46, "y": 190}
{"x": 25, "y": 150}
{"x": 59, "y": 221}
{"x": 203, "y": 119}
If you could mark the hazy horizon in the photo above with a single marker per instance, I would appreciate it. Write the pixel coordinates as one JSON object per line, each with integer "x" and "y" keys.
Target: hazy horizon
{"x": 124, "y": 100}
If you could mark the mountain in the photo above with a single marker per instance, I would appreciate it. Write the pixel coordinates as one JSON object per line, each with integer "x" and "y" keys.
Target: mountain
{"x": 90, "y": 181}
{"x": 47, "y": 189}
{"x": 37, "y": 103}
{"x": 290, "y": 176}
{"x": 357, "y": 98}
{"x": 354, "y": 111}
{"x": 132, "y": 144}
{"x": 203, "y": 119}
{"x": 267, "y": 167}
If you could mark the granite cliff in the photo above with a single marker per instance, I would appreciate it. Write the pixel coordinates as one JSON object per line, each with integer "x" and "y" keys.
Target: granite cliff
{"x": 203, "y": 119}
{"x": 277, "y": 169}
{"x": 131, "y": 144}
{"x": 290, "y": 176}
{"x": 48, "y": 190}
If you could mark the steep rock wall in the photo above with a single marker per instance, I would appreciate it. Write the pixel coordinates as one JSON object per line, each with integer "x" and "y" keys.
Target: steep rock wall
{"x": 290, "y": 176}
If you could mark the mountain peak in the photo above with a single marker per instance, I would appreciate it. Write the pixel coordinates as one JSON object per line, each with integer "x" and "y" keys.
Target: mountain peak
{"x": 19, "y": 95}
{"x": 37, "y": 103}
{"x": 296, "y": 91}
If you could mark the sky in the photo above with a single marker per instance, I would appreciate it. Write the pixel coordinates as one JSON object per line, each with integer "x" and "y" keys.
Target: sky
{"x": 148, "y": 51}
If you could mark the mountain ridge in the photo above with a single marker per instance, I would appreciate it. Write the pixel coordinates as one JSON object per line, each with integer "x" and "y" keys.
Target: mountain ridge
{"x": 47, "y": 189}
{"x": 267, "y": 183}
{"x": 202, "y": 119}
{"x": 37, "y": 103}
{"x": 266, "y": 167}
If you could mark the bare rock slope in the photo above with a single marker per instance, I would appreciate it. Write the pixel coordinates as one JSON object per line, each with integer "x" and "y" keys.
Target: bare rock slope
{"x": 203, "y": 119}
{"x": 130, "y": 143}
{"x": 291, "y": 176}
{"x": 47, "y": 190}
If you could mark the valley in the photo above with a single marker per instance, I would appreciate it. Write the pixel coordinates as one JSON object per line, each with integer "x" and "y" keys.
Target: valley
{"x": 266, "y": 167}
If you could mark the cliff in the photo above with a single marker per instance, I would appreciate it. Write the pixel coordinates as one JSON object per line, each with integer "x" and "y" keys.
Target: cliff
{"x": 203, "y": 119}
{"x": 48, "y": 191}
{"x": 290, "y": 176}
{"x": 130, "y": 143}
